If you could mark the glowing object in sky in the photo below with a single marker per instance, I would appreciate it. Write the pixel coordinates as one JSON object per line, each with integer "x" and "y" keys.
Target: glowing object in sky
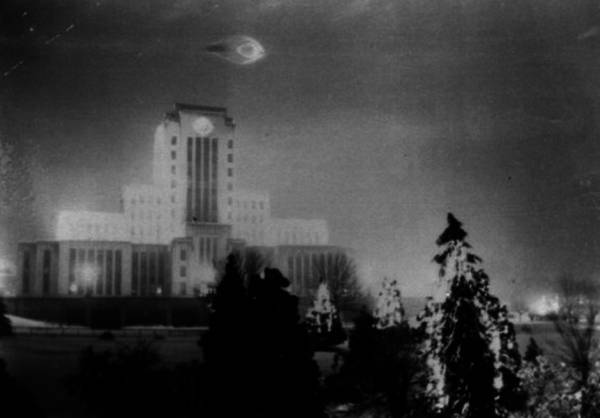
{"x": 240, "y": 49}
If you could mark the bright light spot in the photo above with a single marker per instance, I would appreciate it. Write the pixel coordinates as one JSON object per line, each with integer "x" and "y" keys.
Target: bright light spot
{"x": 87, "y": 273}
{"x": 545, "y": 305}
{"x": 73, "y": 288}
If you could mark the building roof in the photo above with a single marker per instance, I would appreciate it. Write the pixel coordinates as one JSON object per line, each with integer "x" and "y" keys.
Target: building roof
{"x": 202, "y": 108}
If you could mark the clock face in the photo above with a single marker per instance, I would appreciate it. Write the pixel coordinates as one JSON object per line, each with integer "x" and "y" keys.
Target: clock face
{"x": 202, "y": 126}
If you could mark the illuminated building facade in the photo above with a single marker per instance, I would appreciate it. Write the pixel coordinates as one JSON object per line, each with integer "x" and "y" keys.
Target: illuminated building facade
{"x": 169, "y": 233}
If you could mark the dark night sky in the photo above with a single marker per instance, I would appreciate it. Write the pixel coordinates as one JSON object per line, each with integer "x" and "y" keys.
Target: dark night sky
{"x": 377, "y": 115}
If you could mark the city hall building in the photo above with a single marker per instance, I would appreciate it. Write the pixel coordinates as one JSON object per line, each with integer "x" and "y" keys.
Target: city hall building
{"x": 170, "y": 233}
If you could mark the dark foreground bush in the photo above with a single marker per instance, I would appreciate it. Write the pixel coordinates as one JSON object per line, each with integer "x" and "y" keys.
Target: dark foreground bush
{"x": 15, "y": 400}
{"x": 133, "y": 381}
{"x": 381, "y": 372}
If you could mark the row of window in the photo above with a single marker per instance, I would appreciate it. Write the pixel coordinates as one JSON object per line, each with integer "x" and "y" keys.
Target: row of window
{"x": 174, "y": 141}
{"x": 95, "y": 272}
{"x": 250, "y": 204}
{"x": 305, "y": 270}
{"x": 150, "y": 200}
{"x": 148, "y": 272}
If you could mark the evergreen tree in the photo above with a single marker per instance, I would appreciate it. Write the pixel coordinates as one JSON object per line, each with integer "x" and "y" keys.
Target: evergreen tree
{"x": 533, "y": 351}
{"x": 470, "y": 349}
{"x": 258, "y": 355}
{"x": 5, "y": 324}
{"x": 388, "y": 309}
{"x": 323, "y": 321}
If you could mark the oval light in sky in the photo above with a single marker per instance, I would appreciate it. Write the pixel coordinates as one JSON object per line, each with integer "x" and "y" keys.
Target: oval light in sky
{"x": 239, "y": 49}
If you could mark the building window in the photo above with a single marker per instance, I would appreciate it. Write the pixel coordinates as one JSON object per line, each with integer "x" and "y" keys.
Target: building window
{"x": 173, "y": 169}
{"x": 229, "y": 158}
{"x": 229, "y": 201}
{"x": 182, "y": 289}
{"x": 172, "y": 198}
{"x": 173, "y": 184}
{"x": 173, "y": 155}
{"x": 72, "y": 263}
{"x": 230, "y": 172}
{"x": 230, "y": 144}
{"x": 230, "y": 187}
{"x": 46, "y": 272}
{"x": 174, "y": 140}
{"x": 229, "y": 216}
{"x": 182, "y": 271}
{"x": 182, "y": 255}
{"x": 26, "y": 272}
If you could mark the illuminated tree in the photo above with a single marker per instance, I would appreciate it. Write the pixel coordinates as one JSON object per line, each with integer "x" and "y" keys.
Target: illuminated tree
{"x": 323, "y": 320}
{"x": 389, "y": 311}
{"x": 470, "y": 349}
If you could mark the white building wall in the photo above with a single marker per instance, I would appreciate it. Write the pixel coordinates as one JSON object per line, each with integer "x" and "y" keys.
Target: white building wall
{"x": 250, "y": 214}
{"x": 88, "y": 225}
{"x": 296, "y": 232}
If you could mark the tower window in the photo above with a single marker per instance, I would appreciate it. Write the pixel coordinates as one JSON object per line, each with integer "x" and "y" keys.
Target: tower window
{"x": 230, "y": 172}
{"x": 173, "y": 184}
{"x": 174, "y": 140}
{"x": 230, "y": 144}
{"x": 229, "y": 186}
{"x": 182, "y": 271}
{"x": 183, "y": 255}
{"x": 173, "y": 169}
{"x": 173, "y": 155}
{"x": 229, "y": 200}
{"x": 229, "y": 158}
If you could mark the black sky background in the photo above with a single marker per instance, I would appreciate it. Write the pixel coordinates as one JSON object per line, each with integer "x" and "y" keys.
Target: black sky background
{"x": 377, "y": 115}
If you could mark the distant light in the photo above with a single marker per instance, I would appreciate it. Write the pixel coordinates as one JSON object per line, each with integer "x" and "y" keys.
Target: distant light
{"x": 87, "y": 273}
{"x": 159, "y": 290}
{"x": 73, "y": 288}
{"x": 545, "y": 305}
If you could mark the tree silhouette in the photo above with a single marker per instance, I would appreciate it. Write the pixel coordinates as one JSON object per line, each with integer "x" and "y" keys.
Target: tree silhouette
{"x": 5, "y": 324}
{"x": 470, "y": 349}
{"x": 533, "y": 351}
{"x": 257, "y": 353}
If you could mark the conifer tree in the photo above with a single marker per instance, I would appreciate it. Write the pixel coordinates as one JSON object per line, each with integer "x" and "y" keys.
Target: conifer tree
{"x": 323, "y": 320}
{"x": 258, "y": 357}
{"x": 389, "y": 311}
{"x": 470, "y": 349}
{"x": 533, "y": 351}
